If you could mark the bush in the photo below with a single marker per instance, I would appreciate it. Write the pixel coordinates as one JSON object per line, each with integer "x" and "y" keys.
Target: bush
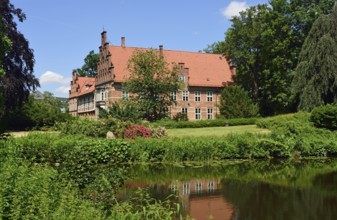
{"x": 325, "y": 117}
{"x": 134, "y": 131}
{"x": 205, "y": 123}
{"x": 236, "y": 103}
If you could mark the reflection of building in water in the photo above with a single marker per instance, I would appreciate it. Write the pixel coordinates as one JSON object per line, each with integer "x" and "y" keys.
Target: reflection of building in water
{"x": 199, "y": 198}
{"x": 202, "y": 199}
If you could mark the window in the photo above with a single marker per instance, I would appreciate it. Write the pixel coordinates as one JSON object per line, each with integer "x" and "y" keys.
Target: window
{"x": 197, "y": 114}
{"x": 209, "y": 96}
{"x": 125, "y": 94}
{"x": 185, "y": 95}
{"x": 102, "y": 94}
{"x": 210, "y": 186}
{"x": 184, "y": 110}
{"x": 173, "y": 96}
{"x": 210, "y": 113}
{"x": 186, "y": 189}
{"x": 198, "y": 187}
{"x": 197, "y": 96}
{"x": 182, "y": 78}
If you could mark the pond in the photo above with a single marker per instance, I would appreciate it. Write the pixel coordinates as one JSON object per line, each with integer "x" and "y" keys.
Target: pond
{"x": 236, "y": 190}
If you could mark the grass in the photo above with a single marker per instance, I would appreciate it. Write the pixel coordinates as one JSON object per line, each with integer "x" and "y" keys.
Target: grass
{"x": 215, "y": 131}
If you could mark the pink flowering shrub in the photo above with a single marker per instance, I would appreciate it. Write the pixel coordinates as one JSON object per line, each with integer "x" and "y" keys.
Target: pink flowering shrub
{"x": 134, "y": 131}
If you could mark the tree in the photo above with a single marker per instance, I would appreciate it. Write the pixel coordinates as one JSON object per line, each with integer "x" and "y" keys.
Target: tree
{"x": 236, "y": 103}
{"x": 265, "y": 42}
{"x": 17, "y": 60}
{"x": 151, "y": 81}
{"x": 36, "y": 113}
{"x": 89, "y": 68}
{"x": 216, "y": 48}
{"x": 315, "y": 80}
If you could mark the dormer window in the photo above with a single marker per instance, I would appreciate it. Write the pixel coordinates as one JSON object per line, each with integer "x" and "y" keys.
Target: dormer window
{"x": 182, "y": 78}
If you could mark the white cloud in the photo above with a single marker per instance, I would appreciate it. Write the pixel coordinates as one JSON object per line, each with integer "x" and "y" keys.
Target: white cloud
{"x": 63, "y": 89}
{"x": 50, "y": 77}
{"x": 234, "y": 8}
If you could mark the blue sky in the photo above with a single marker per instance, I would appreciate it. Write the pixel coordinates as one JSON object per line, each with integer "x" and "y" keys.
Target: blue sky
{"x": 63, "y": 32}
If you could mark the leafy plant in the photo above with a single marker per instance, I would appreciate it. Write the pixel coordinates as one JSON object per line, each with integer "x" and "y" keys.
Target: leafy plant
{"x": 325, "y": 117}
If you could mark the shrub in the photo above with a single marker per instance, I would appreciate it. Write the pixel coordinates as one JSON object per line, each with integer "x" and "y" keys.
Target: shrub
{"x": 180, "y": 117}
{"x": 325, "y": 117}
{"x": 236, "y": 103}
{"x": 134, "y": 131}
{"x": 205, "y": 123}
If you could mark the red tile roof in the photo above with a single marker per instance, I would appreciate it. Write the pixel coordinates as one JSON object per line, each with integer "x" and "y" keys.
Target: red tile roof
{"x": 85, "y": 85}
{"x": 208, "y": 70}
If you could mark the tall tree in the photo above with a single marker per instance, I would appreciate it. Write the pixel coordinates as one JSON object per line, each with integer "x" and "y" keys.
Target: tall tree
{"x": 236, "y": 103}
{"x": 315, "y": 81}
{"x": 17, "y": 59}
{"x": 265, "y": 41}
{"x": 89, "y": 68}
{"x": 151, "y": 81}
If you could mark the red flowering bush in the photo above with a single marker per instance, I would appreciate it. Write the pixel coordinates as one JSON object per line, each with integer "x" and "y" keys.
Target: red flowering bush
{"x": 134, "y": 131}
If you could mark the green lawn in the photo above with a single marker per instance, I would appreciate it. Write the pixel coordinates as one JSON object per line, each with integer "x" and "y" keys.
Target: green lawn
{"x": 215, "y": 131}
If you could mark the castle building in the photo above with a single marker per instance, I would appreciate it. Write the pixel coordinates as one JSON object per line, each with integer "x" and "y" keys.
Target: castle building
{"x": 203, "y": 75}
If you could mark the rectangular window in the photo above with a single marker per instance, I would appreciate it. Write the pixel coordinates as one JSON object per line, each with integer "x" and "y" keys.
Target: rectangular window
{"x": 210, "y": 113}
{"x": 182, "y": 78}
{"x": 209, "y": 96}
{"x": 173, "y": 96}
{"x": 184, "y": 110}
{"x": 185, "y": 95}
{"x": 197, "y": 95}
{"x": 125, "y": 94}
{"x": 198, "y": 187}
{"x": 197, "y": 113}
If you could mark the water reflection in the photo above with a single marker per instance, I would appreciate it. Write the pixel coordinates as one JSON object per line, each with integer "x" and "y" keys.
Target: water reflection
{"x": 249, "y": 190}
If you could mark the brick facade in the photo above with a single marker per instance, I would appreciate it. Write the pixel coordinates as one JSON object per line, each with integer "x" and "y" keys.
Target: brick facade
{"x": 204, "y": 76}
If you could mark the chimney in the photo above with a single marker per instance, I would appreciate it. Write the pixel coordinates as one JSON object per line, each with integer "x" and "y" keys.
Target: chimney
{"x": 123, "y": 42}
{"x": 161, "y": 50}
{"x": 103, "y": 37}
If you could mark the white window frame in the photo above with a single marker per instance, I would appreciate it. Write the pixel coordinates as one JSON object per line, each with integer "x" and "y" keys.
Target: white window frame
{"x": 198, "y": 187}
{"x": 197, "y": 113}
{"x": 182, "y": 78}
{"x": 210, "y": 113}
{"x": 197, "y": 96}
{"x": 185, "y": 95}
{"x": 173, "y": 96}
{"x": 125, "y": 94}
{"x": 184, "y": 110}
{"x": 209, "y": 96}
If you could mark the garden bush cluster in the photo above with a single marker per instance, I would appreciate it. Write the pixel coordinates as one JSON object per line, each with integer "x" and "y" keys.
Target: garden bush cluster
{"x": 205, "y": 123}
{"x": 325, "y": 117}
{"x": 49, "y": 176}
{"x": 99, "y": 128}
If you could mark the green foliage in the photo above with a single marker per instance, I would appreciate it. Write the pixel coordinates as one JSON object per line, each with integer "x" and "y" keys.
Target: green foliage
{"x": 87, "y": 127}
{"x": 236, "y": 103}
{"x": 124, "y": 110}
{"x": 325, "y": 117}
{"x": 16, "y": 60}
{"x": 151, "y": 81}
{"x": 89, "y": 69}
{"x": 142, "y": 206}
{"x": 37, "y": 192}
{"x": 36, "y": 114}
{"x": 265, "y": 54}
{"x": 297, "y": 133}
{"x": 70, "y": 177}
{"x": 315, "y": 81}
{"x": 216, "y": 48}
{"x": 205, "y": 123}
{"x": 180, "y": 117}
